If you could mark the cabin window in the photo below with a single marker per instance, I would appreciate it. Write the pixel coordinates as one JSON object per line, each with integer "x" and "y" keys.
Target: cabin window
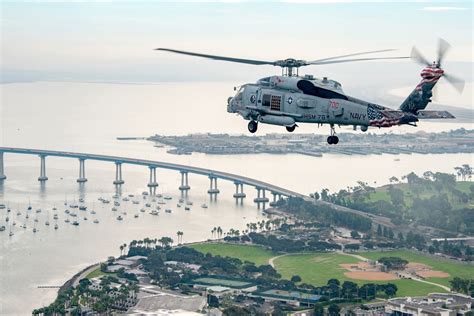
{"x": 266, "y": 99}
{"x": 275, "y": 103}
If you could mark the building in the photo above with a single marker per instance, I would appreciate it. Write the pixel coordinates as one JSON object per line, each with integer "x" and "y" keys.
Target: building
{"x": 294, "y": 298}
{"x": 436, "y": 304}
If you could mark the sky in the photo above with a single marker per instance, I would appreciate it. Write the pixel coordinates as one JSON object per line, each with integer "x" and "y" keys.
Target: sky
{"x": 114, "y": 40}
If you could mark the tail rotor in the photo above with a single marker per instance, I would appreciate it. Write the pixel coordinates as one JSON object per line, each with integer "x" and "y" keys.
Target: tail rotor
{"x": 443, "y": 48}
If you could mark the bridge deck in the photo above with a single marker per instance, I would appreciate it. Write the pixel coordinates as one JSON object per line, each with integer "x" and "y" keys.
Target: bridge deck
{"x": 158, "y": 164}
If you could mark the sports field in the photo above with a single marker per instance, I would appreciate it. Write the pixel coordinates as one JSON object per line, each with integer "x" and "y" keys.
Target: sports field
{"x": 317, "y": 268}
{"x": 452, "y": 268}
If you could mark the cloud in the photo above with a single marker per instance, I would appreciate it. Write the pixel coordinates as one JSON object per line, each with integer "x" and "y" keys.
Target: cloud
{"x": 439, "y": 9}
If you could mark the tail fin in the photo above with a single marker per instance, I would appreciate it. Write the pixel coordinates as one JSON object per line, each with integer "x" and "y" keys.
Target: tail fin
{"x": 421, "y": 95}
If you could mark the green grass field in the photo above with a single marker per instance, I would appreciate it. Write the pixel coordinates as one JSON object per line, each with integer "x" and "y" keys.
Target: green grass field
{"x": 317, "y": 268}
{"x": 453, "y": 268}
{"x": 255, "y": 254}
{"x": 97, "y": 273}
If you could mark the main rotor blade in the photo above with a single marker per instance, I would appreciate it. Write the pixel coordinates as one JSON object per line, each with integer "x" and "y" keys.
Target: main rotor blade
{"x": 231, "y": 59}
{"x": 418, "y": 57}
{"x": 352, "y": 60}
{"x": 443, "y": 48}
{"x": 350, "y": 55}
{"x": 456, "y": 82}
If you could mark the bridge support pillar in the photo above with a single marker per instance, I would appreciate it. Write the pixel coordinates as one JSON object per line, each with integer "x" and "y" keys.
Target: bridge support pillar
{"x": 261, "y": 196}
{"x": 82, "y": 171}
{"x": 276, "y": 198}
{"x": 153, "y": 184}
{"x": 2, "y": 171}
{"x": 118, "y": 174}
{"x": 42, "y": 176}
{"x": 239, "y": 194}
{"x": 213, "y": 190}
{"x": 184, "y": 187}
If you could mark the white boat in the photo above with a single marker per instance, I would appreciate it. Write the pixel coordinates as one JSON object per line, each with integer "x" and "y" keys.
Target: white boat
{"x": 27, "y": 216}
{"x": 135, "y": 202}
{"x": 136, "y": 215}
{"x": 124, "y": 213}
{"x": 93, "y": 212}
{"x": 178, "y": 205}
{"x": 85, "y": 218}
{"x": 105, "y": 201}
{"x": 117, "y": 203}
{"x": 114, "y": 209}
{"x": 55, "y": 209}
{"x": 67, "y": 220}
{"x": 167, "y": 197}
{"x": 159, "y": 195}
{"x": 2, "y": 228}
{"x": 187, "y": 208}
{"x": 56, "y": 226}
{"x": 83, "y": 208}
{"x": 73, "y": 214}
{"x": 46, "y": 223}
{"x": 189, "y": 203}
{"x": 14, "y": 223}
{"x": 154, "y": 212}
{"x": 126, "y": 199}
{"x": 161, "y": 202}
{"x": 148, "y": 205}
{"x": 153, "y": 199}
{"x": 168, "y": 210}
{"x": 181, "y": 200}
{"x": 66, "y": 211}
{"x": 96, "y": 221}
{"x": 55, "y": 216}
{"x": 36, "y": 220}
{"x": 142, "y": 210}
{"x": 144, "y": 193}
{"x": 119, "y": 218}
{"x": 115, "y": 196}
{"x": 7, "y": 219}
{"x": 38, "y": 210}
{"x": 34, "y": 230}
{"x": 10, "y": 234}
{"x": 131, "y": 195}
{"x": 75, "y": 223}
{"x": 18, "y": 213}
{"x": 81, "y": 200}
{"x": 204, "y": 205}
{"x": 2, "y": 206}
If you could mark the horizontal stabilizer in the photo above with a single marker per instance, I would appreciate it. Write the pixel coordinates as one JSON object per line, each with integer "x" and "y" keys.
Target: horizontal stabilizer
{"x": 434, "y": 115}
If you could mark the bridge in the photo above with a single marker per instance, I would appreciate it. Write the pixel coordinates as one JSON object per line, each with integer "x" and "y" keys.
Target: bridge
{"x": 184, "y": 170}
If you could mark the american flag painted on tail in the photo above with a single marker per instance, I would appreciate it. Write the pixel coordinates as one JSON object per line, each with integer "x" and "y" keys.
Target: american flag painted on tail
{"x": 379, "y": 119}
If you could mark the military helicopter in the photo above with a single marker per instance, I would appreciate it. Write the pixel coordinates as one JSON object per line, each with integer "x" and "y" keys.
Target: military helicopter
{"x": 288, "y": 99}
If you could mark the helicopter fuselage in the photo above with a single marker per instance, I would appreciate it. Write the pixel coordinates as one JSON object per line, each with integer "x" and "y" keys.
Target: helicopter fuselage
{"x": 285, "y": 101}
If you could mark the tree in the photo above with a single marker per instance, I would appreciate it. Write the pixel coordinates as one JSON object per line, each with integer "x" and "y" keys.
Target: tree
{"x": 295, "y": 279}
{"x": 334, "y": 310}
{"x": 318, "y": 309}
{"x": 379, "y": 230}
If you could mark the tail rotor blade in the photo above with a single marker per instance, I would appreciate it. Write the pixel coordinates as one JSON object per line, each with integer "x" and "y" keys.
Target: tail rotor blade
{"x": 418, "y": 57}
{"x": 456, "y": 82}
{"x": 443, "y": 48}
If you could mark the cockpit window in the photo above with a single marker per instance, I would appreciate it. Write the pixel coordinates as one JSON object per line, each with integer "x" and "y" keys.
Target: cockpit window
{"x": 238, "y": 96}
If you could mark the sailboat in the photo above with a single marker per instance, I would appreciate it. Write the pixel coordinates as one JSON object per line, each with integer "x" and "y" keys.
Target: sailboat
{"x": 11, "y": 232}
{"x": 56, "y": 224}
{"x": 34, "y": 228}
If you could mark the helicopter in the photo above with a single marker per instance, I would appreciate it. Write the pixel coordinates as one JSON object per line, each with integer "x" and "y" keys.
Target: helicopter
{"x": 288, "y": 99}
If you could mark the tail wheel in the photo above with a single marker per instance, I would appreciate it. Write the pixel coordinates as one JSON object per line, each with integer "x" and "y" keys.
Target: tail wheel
{"x": 291, "y": 128}
{"x": 253, "y": 126}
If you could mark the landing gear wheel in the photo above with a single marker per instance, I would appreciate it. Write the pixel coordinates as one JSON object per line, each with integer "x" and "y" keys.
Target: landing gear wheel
{"x": 253, "y": 126}
{"x": 333, "y": 139}
{"x": 291, "y": 128}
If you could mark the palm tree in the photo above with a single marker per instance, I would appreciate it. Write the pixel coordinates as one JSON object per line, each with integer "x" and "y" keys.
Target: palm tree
{"x": 124, "y": 247}
{"x": 121, "y": 249}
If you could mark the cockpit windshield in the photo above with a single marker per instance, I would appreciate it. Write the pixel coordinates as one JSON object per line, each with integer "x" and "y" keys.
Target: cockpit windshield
{"x": 239, "y": 95}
